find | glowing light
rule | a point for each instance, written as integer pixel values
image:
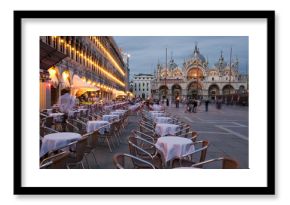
(110, 57)
(65, 75)
(52, 72)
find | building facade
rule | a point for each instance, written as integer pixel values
(80, 64)
(142, 85)
(196, 80)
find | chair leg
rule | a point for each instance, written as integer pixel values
(108, 144)
(85, 157)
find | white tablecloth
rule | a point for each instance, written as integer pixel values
(94, 125)
(110, 118)
(57, 117)
(134, 107)
(71, 112)
(120, 114)
(172, 147)
(56, 141)
(163, 129)
(123, 111)
(153, 115)
(163, 120)
(157, 107)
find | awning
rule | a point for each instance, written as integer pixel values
(49, 56)
(79, 86)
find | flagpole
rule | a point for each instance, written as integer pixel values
(230, 66)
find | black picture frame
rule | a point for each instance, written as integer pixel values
(19, 189)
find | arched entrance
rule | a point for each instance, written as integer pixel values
(213, 91)
(176, 91)
(241, 89)
(228, 89)
(195, 73)
(163, 92)
(194, 90)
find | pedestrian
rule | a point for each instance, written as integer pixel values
(167, 102)
(206, 105)
(194, 105)
(177, 102)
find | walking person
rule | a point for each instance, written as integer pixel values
(177, 102)
(194, 105)
(167, 102)
(206, 105)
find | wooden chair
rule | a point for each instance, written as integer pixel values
(57, 161)
(227, 163)
(125, 161)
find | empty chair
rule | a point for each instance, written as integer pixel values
(57, 161)
(92, 143)
(46, 130)
(125, 161)
(109, 135)
(145, 150)
(76, 155)
(48, 122)
(218, 163)
(197, 156)
(79, 124)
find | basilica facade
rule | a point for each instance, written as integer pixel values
(195, 79)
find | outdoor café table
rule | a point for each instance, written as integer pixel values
(58, 140)
(48, 111)
(71, 113)
(122, 111)
(157, 107)
(117, 113)
(156, 114)
(57, 117)
(163, 129)
(163, 120)
(110, 118)
(174, 147)
(94, 125)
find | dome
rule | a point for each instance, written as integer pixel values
(197, 55)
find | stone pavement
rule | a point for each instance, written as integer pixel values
(225, 129)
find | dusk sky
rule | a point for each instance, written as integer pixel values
(145, 51)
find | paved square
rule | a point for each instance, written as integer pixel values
(225, 129)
